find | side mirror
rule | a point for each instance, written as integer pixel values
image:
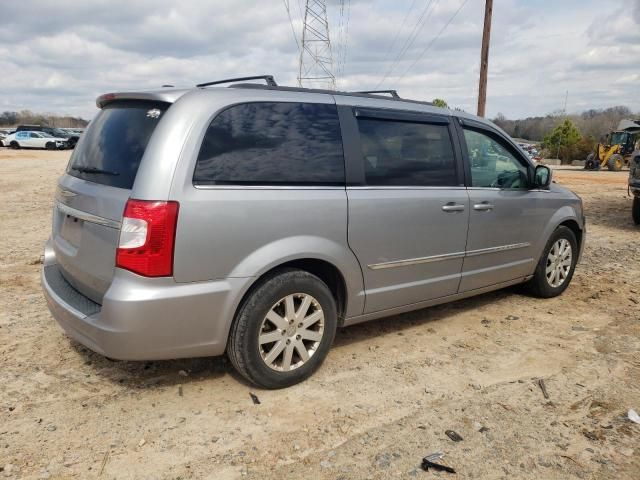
(542, 177)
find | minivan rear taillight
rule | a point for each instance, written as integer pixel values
(147, 237)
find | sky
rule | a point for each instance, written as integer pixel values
(58, 56)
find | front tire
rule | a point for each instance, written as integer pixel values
(50, 146)
(14, 145)
(283, 330)
(556, 266)
(615, 162)
(635, 210)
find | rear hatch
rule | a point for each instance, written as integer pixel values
(91, 196)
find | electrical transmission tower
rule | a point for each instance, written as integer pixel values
(316, 60)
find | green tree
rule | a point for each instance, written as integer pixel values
(438, 102)
(562, 139)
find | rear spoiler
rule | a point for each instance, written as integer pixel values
(165, 95)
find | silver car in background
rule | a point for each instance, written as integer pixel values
(256, 219)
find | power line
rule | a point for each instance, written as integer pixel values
(434, 39)
(395, 39)
(343, 37)
(343, 60)
(293, 30)
(422, 21)
(407, 43)
(340, 42)
(299, 3)
(417, 28)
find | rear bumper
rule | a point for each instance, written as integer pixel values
(142, 318)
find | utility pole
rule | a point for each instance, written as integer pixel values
(316, 59)
(484, 58)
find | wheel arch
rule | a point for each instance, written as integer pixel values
(565, 217)
(321, 256)
(573, 225)
(326, 271)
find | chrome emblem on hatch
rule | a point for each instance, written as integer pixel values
(153, 113)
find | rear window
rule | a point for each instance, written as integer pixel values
(268, 143)
(113, 144)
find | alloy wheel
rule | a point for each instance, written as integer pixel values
(559, 261)
(291, 332)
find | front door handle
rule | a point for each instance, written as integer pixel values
(453, 207)
(484, 206)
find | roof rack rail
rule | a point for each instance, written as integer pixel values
(267, 78)
(393, 98)
(393, 93)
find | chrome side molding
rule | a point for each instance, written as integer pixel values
(502, 248)
(446, 256)
(416, 261)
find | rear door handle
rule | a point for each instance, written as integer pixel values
(484, 206)
(453, 207)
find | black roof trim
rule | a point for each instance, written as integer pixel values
(401, 115)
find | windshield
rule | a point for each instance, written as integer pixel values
(113, 145)
(618, 138)
(45, 134)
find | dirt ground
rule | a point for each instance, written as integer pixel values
(383, 399)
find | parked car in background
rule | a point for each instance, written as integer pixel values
(29, 139)
(4, 133)
(255, 220)
(71, 138)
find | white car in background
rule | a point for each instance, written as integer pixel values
(29, 139)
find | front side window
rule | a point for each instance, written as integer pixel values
(270, 143)
(492, 165)
(397, 153)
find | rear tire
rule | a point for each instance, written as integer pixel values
(14, 145)
(635, 210)
(552, 277)
(615, 162)
(589, 164)
(271, 343)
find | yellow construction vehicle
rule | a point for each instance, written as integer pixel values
(615, 153)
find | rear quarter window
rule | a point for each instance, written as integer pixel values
(113, 144)
(270, 143)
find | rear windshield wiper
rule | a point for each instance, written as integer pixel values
(94, 170)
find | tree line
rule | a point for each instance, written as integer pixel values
(27, 117)
(570, 136)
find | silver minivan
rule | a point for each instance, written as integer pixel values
(256, 219)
